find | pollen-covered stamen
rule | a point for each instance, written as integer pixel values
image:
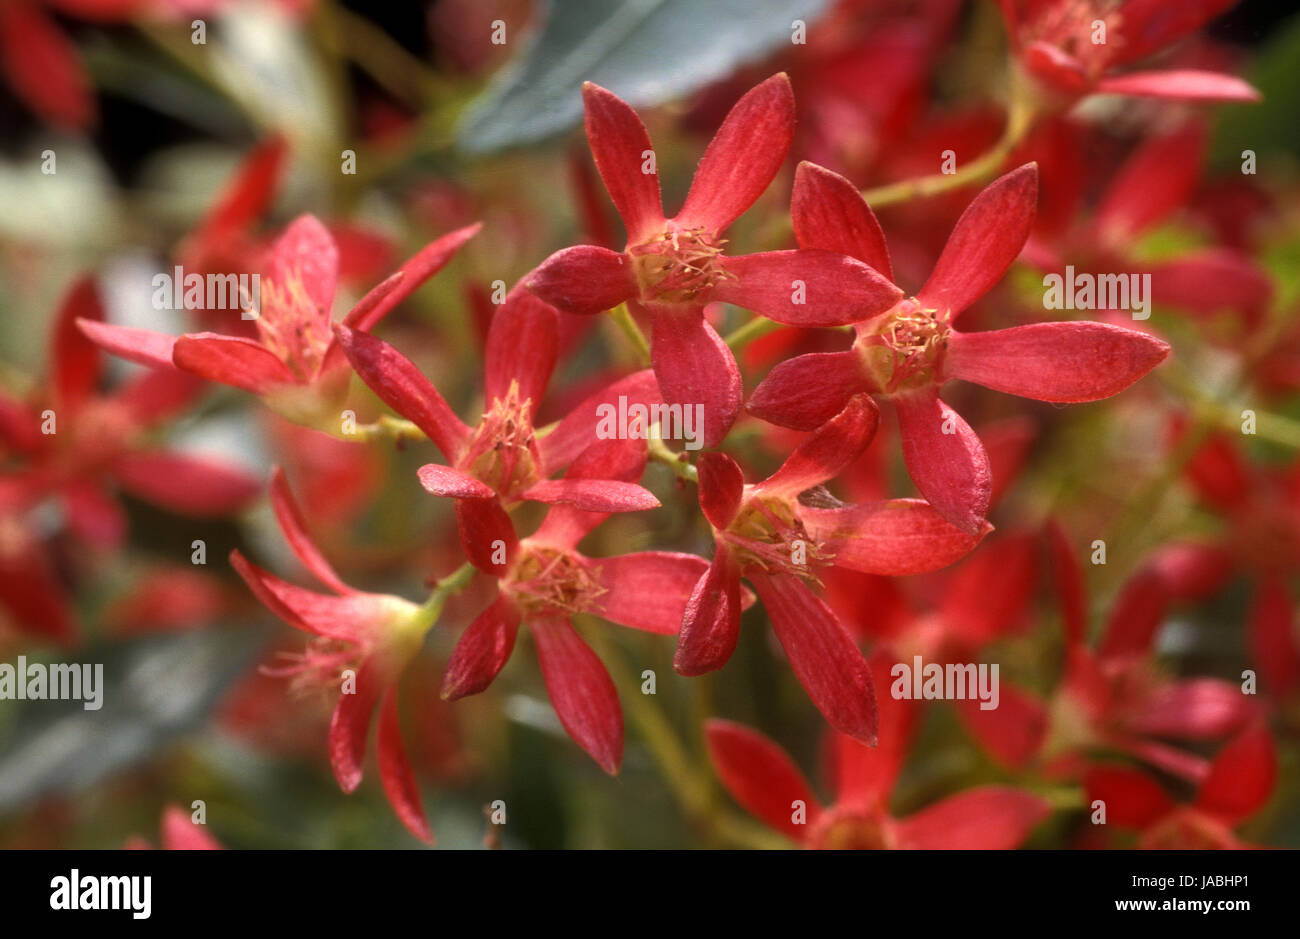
(319, 669)
(679, 266)
(551, 581)
(293, 327)
(906, 347)
(768, 533)
(851, 829)
(503, 451)
(1087, 30)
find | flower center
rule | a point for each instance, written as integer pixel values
(905, 348)
(768, 534)
(293, 327)
(503, 452)
(550, 581)
(678, 266)
(852, 829)
(1074, 29)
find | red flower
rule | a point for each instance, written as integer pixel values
(674, 267)
(766, 533)
(907, 354)
(544, 581)
(762, 778)
(1059, 44)
(503, 457)
(364, 642)
(295, 364)
(1238, 784)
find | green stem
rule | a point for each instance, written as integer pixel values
(743, 335)
(622, 317)
(446, 588)
(677, 462)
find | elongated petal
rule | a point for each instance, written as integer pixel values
(482, 651)
(1274, 645)
(829, 213)
(34, 599)
(1014, 731)
(1151, 25)
(157, 395)
(1055, 66)
(808, 390)
(581, 691)
(44, 68)
(399, 384)
(74, 359)
(142, 346)
(710, 624)
(593, 495)
(344, 618)
(761, 777)
(178, 832)
(806, 287)
(945, 459)
(986, 239)
(1135, 616)
(828, 451)
(306, 254)
(289, 517)
(186, 484)
(1242, 776)
(988, 594)
(452, 483)
(1211, 281)
(522, 345)
(93, 515)
(486, 534)
(583, 279)
(1183, 84)
(743, 158)
(232, 360)
(648, 589)
(1061, 362)
(986, 818)
(822, 654)
(895, 538)
(694, 366)
(244, 199)
(865, 776)
(578, 428)
(618, 460)
(1193, 709)
(350, 726)
(721, 486)
(1154, 182)
(619, 145)
(1132, 798)
(395, 770)
(430, 259)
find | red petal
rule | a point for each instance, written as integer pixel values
(179, 833)
(829, 213)
(245, 198)
(831, 289)
(760, 776)
(291, 523)
(583, 279)
(721, 485)
(988, 595)
(1242, 776)
(1055, 67)
(232, 360)
(399, 384)
(577, 430)
(420, 267)
(950, 469)
(395, 771)
(1192, 709)
(75, 361)
(592, 495)
(622, 460)
(1150, 25)
(1272, 634)
(1184, 84)
(1209, 281)
(522, 344)
(822, 654)
(1135, 616)
(445, 481)
(1133, 799)
(482, 651)
(986, 818)
(808, 390)
(1061, 362)
(896, 538)
(1013, 732)
(158, 395)
(37, 603)
(142, 346)
(865, 776)
(828, 451)
(619, 142)
(986, 239)
(711, 622)
(581, 691)
(694, 366)
(185, 484)
(648, 589)
(1154, 182)
(482, 524)
(44, 68)
(93, 515)
(344, 618)
(349, 726)
(743, 158)
(306, 253)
